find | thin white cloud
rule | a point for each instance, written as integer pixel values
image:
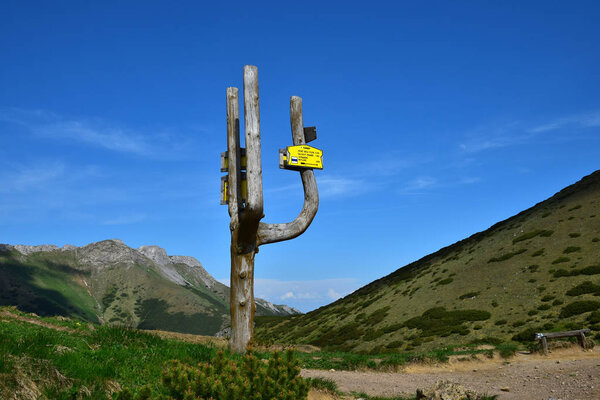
(333, 295)
(304, 295)
(94, 132)
(590, 120)
(515, 133)
(333, 186)
(329, 186)
(469, 180)
(420, 183)
(287, 295)
(493, 137)
(23, 178)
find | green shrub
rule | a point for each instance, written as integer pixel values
(507, 350)
(500, 322)
(547, 297)
(223, 379)
(526, 335)
(468, 295)
(538, 253)
(377, 316)
(487, 340)
(394, 345)
(596, 239)
(594, 317)
(574, 235)
(337, 337)
(533, 268)
(557, 302)
(532, 234)
(532, 312)
(583, 288)
(445, 281)
(360, 316)
(571, 249)
(323, 384)
(579, 307)
(372, 334)
(577, 207)
(109, 296)
(591, 270)
(392, 328)
(516, 324)
(561, 260)
(506, 256)
(494, 303)
(439, 321)
(544, 307)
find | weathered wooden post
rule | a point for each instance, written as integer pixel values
(242, 192)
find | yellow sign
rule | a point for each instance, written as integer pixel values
(303, 156)
(225, 160)
(225, 187)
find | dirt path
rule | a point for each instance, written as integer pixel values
(571, 374)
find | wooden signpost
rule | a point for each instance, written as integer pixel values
(242, 192)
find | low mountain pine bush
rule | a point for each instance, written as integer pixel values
(226, 379)
(583, 288)
(579, 307)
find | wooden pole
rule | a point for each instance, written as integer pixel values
(247, 232)
(544, 345)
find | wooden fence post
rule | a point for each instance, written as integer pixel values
(247, 232)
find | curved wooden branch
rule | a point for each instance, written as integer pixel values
(271, 233)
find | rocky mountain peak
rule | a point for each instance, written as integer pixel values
(195, 270)
(24, 249)
(109, 252)
(156, 254)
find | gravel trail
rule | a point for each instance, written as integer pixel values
(567, 375)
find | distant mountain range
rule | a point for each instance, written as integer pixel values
(109, 282)
(536, 271)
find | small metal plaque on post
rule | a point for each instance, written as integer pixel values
(310, 133)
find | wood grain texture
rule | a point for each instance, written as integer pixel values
(252, 213)
(233, 156)
(271, 233)
(577, 332)
(252, 127)
(242, 301)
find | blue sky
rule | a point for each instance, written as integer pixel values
(437, 119)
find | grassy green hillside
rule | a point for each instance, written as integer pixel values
(63, 358)
(45, 286)
(538, 270)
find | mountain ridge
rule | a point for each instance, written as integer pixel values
(110, 282)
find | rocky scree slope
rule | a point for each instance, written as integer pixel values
(536, 271)
(109, 282)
